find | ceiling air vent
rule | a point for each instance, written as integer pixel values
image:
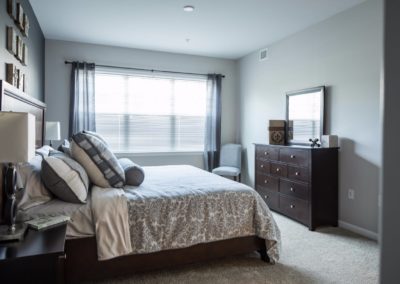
(263, 54)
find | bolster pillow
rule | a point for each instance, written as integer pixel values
(134, 174)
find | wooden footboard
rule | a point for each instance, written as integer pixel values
(81, 262)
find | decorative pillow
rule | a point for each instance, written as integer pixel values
(28, 177)
(43, 151)
(65, 178)
(97, 135)
(65, 147)
(134, 174)
(100, 163)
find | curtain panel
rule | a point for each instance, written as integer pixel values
(212, 144)
(82, 99)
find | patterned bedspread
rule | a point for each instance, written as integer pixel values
(177, 207)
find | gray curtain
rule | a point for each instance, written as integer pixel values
(212, 145)
(82, 107)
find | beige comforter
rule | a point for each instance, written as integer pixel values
(177, 207)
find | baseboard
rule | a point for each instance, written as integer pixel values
(358, 230)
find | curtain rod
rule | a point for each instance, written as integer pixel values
(144, 69)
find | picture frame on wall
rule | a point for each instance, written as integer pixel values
(11, 41)
(10, 70)
(25, 30)
(24, 59)
(19, 49)
(20, 16)
(11, 9)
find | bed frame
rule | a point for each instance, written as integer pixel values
(80, 261)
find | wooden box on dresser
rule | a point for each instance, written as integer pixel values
(299, 182)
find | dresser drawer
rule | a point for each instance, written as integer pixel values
(294, 208)
(294, 156)
(271, 198)
(266, 182)
(262, 166)
(278, 169)
(269, 153)
(297, 173)
(295, 189)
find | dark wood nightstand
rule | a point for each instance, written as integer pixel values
(37, 258)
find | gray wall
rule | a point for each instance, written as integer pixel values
(390, 230)
(58, 75)
(35, 43)
(341, 53)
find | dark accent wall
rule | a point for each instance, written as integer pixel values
(35, 42)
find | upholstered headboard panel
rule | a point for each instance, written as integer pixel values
(12, 99)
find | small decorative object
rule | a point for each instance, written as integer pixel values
(277, 132)
(52, 131)
(24, 52)
(25, 31)
(11, 9)
(17, 146)
(11, 41)
(20, 16)
(314, 142)
(329, 141)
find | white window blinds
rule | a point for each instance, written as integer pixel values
(150, 113)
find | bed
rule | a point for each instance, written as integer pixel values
(179, 215)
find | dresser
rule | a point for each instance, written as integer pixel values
(299, 182)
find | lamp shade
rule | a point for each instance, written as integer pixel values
(53, 130)
(18, 134)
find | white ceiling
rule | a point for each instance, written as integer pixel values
(218, 28)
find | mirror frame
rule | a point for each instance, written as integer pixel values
(322, 112)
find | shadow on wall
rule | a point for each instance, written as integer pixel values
(362, 176)
(245, 166)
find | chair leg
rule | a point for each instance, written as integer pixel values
(240, 178)
(234, 178)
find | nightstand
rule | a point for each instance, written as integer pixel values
(37, 258)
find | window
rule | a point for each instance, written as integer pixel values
(150, 113)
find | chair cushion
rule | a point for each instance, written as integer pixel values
(65, 178)
(99, 162)
(226, 171)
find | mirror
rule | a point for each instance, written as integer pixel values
(305, 115)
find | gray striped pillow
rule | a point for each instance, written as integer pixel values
(65, 178)
(100, 163)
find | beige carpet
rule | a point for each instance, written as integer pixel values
(328, 255)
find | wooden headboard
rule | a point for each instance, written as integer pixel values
(12, 99)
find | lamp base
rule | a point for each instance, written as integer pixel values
(6, 234)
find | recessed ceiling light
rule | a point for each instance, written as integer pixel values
(188, 8)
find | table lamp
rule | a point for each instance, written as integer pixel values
(17, 145)
(52, 131)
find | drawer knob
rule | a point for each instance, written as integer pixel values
(278, 169)
(291, 206)
(266, 181)
(266, 153)
(292, 156)
(262, 166)
(297, 173)
(266, 196)
(292, 189)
